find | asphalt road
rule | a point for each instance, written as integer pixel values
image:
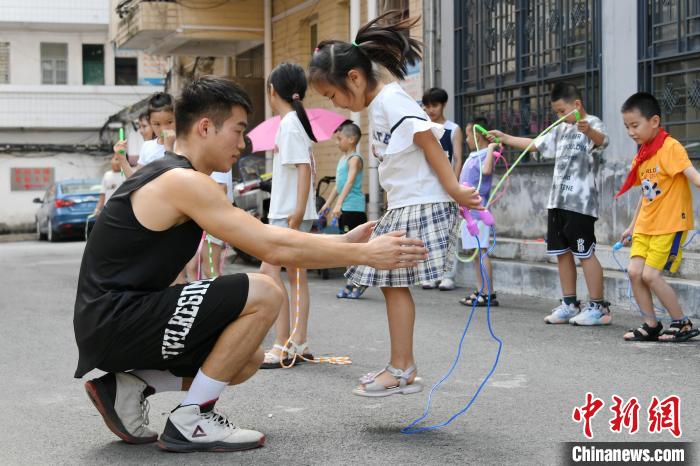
(309, 414)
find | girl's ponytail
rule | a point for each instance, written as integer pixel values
(384, 40)
(289, 82)
(298, 107)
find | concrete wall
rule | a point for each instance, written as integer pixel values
(25, 53)
(16, 207)
(522, 212)
(291, 42)
(446, 55)
(65, 106)
(55, 12)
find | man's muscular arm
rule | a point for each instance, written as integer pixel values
(180, 194)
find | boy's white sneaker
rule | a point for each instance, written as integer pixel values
(196, 428)
(593, 314)
(447, 284)
(563, 313)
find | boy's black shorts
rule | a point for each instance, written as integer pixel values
(177, 330)
(570, 231)
(350, 220)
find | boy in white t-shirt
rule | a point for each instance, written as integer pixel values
(434, 103)
(111, 180)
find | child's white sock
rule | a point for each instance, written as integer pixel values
(159, 381)
(203, 390)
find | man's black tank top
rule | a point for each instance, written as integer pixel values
(124, 262)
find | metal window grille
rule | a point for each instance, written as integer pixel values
(669, 64)
(508, 53)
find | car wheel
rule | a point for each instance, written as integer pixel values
(51, 236)
(39, 235)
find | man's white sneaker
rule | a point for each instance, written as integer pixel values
(563, 313)
(593, 314)
(195, 428)
(447, 284)
(121, 401)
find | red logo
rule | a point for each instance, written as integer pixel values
(661, 415)
(625, 416)
(198, 432)
(665, 415)
(587, 412)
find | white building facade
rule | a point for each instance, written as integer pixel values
(60, 80)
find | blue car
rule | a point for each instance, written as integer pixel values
(65, 209)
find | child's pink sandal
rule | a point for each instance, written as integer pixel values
(371, 388)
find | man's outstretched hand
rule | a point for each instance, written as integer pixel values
(395, 251)
(361, 233)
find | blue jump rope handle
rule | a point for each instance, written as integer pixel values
(617, 246)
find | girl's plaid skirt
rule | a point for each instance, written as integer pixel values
(436, 225)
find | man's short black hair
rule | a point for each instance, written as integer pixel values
(435, 95)
(646, 103)
(209, 96)
(566, 91)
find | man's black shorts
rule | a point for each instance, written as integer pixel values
(570, 231)
(178, 330)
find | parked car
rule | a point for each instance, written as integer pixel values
(65, 209)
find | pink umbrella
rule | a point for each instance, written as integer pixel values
(323, 123)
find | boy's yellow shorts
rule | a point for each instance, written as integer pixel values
(662, 252)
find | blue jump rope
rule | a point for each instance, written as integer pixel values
(411, 429)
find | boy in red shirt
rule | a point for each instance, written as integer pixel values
(662, 220)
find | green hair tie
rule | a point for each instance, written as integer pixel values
(355, 44)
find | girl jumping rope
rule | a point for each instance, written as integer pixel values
(292, 204)
(414, 171)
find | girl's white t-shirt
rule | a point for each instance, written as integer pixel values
(150, 152)
(292, 146)
(404, 172)
(225, 178)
